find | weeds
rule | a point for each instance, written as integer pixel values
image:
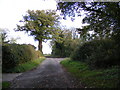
(98, 78)
(27, 66)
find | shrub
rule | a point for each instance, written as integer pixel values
(39, 54)
(15, 54)
(98, 53)
(65, 48)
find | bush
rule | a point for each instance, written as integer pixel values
(98, 53)
(39, 54)
(15, 54)
(65, 48)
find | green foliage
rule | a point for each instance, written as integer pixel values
(98, 53)
(38, 54)
(39, 24)
(103, 20)
(64, 44)
(100, 78)
(5, 84)
(3, 36)
(15, 54)
(27, 66)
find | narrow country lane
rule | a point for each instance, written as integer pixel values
(49, 74)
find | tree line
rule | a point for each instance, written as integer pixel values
(102, 20)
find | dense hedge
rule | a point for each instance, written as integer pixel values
(65, 48)
(98, 53)
(15, 54)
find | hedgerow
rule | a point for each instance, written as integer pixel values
(15, 54)
(98, 53)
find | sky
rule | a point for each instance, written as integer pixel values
(11, 12)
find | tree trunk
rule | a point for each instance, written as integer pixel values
(40, 45)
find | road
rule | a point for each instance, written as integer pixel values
(49, 74)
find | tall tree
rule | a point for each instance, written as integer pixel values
(102, 17)
(40, 24)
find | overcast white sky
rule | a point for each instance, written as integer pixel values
(11, 12)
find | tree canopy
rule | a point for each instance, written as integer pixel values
(40, 24)
(64, 43)
(102, 17)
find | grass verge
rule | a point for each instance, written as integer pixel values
(27, 66)
(5, 84)
(107, 78)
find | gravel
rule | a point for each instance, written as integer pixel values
(49, 74)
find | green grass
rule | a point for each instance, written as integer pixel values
(27, 66)
(99, 78)
(5, 84)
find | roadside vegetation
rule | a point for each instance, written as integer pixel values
(95, 63)
(28, 65)
(93, 78)
(18, 57)
(22, 68)
(5, 84)
(95, 58)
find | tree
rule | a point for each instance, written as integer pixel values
(64, 43)
(13, 40)
(103, 20)
(5, 39)
(40, 24)
(3, 36)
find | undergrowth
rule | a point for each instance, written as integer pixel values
(27, 66)
(5, 84)
(93, 78)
